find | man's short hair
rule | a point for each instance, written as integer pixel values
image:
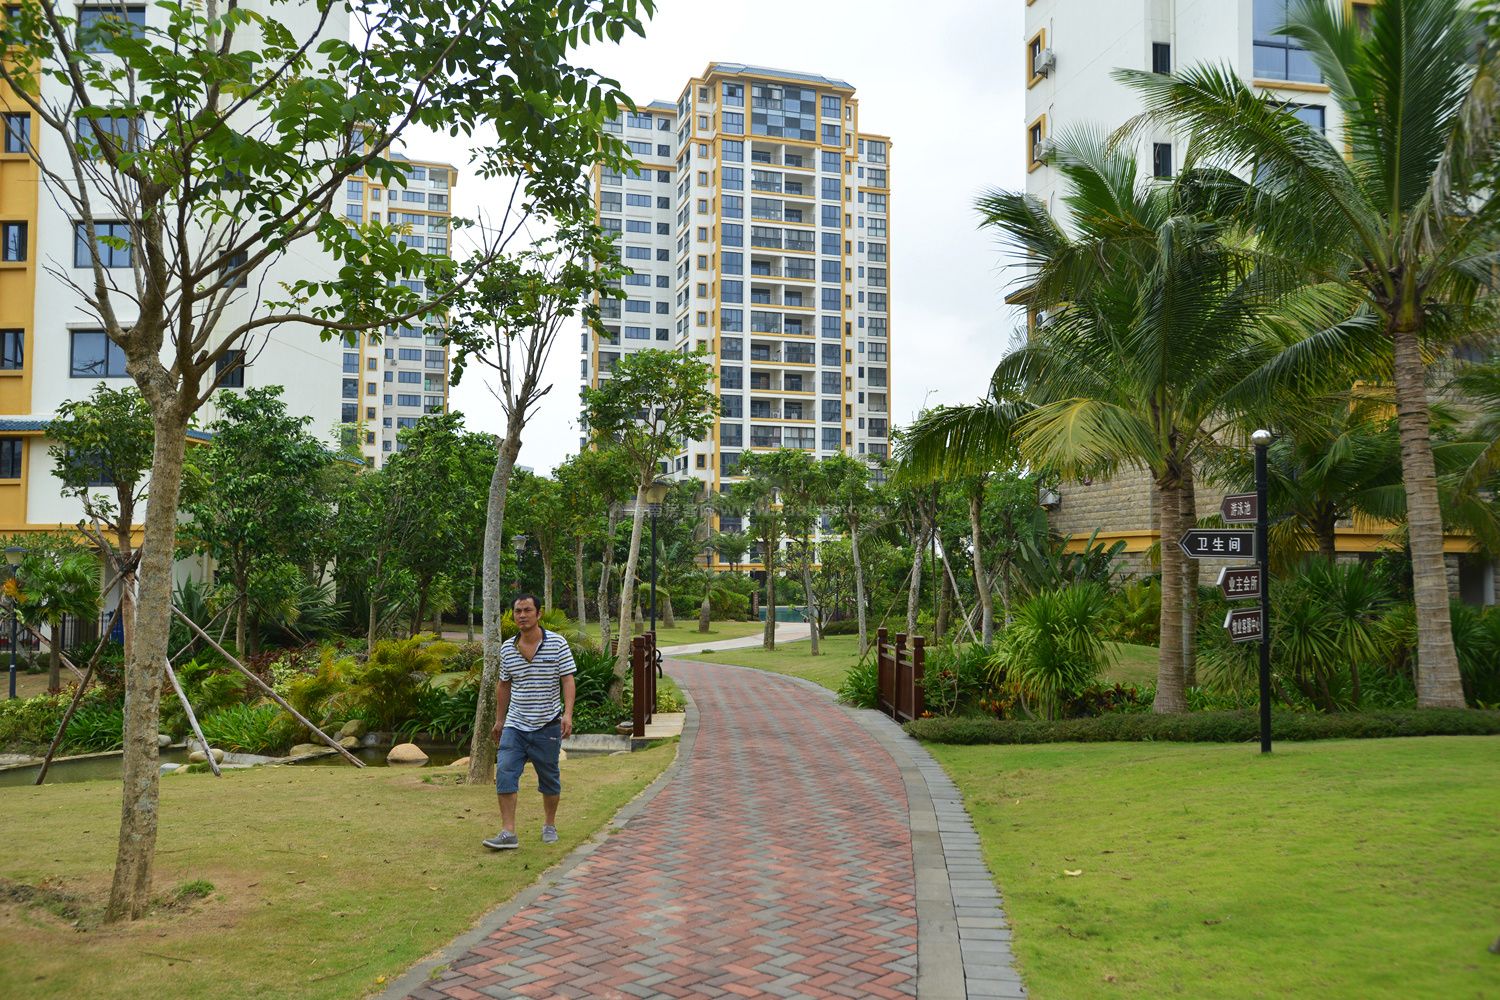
(526, 597)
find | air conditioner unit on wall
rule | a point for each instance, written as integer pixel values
(1045, 62)
(1043, 151)
(1048, 498)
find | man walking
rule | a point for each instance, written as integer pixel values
(533, 715)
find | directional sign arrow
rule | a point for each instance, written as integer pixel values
(1245, 625)
(1239, 508)
(1218, 543)
(1240, 584)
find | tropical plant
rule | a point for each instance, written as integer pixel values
(258, 729)
(1400, 213)
(1054, 647)
(1135, 613)
(389, 684)
(861, 685)
(957, 677)
(594, 677)
(96, 726)
(57, 579)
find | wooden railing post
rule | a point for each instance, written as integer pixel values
(883, 681)
(897, 675)
(918, 665)
(650, 676)
(638, 687)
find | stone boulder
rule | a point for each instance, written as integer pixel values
(349, 742)
(163, 741)
(406, 753)
(461, 762)
(562, 755)
(303, 749)
(199, 757)
(168, 768)
(355, 728)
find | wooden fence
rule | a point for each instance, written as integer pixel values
(900, 676)
(643, 663)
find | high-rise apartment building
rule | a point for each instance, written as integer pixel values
(389, 383)
(1072, 48)
(757, 229)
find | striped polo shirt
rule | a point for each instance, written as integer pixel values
(535, 686)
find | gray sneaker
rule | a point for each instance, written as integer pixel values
(503, 841)
(549, 834)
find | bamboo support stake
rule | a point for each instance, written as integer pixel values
(192, 719)
(33, 631)
(270, 693)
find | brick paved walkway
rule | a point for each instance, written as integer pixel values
(777, 862)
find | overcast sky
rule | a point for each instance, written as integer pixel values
(942, 79)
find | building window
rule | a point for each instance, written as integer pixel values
(12, 241)
(1034, 47)
(1311, 115)
(230, 370)
(12, 451)
(17, 132)
(832, 106)
(1161, 58)
(97, 25)
(734, 95)
(94, 355)
(1161, 159)
(1036, 134)
(1278, 56)
(124, 132)
(12, 347)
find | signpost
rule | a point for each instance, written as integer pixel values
(1218, 543)
(1243, 583)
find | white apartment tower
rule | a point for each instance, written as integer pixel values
(757, 228)
(1072, 48)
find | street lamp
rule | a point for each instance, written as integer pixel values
(656, 494)
(519, 543)
(13, 556)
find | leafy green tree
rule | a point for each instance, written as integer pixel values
(255, 501)
(852, 500)
(539, 512)
(761, 497)
(1401, 212)
(650, 406)
(57, 578)
(247, 122)
(104, 443)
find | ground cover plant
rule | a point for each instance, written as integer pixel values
(1334, 869)
(326, 882)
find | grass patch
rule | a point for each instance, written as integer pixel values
(686, 633)
(838, 654)
(1132, 664)
(322, 882)
(1334, 869)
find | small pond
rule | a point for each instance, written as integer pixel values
(437, 756)
(93, 769)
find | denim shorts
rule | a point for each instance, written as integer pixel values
(517, 746)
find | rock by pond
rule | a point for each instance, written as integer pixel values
(406, 753)
(199, 757)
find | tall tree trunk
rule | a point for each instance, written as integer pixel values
(981, 579)
(241, 607)
(579, 584)
(546, 579)
(422, 591)
(482, 744)
(54, 657)
(945, 598)
(130, 892)
(627, 588)
(612, 521)
(768, 637)
(914, 589)
(859, 588)
(809, 598)
(705, 613)
(1439, 684)
(1169, 690)
(373, 621)
(124, 552)
(1188, 517)
(1324, 531)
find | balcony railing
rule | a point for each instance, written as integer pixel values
(796, 357)
(797, 242)
(772, 240)
(792, 271)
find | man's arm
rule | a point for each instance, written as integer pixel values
(502, 706)
(569, 691)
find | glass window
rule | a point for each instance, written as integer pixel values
(1279, 56)
(732, 234)
(12, 451)
(732, 263)
(114, 244)
(12, 347)
(830, 134)
(734, 95)
(733, 122)
(732, 320)
(831, 161)
(734, 206)
(12, 241)
(94, 355)
(733, 291)
(229, 370)
(97, 25)
(832, 106)
(17, 132)
(1311, 115)
(732, 151)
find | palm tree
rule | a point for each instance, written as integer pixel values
(1154, 312)
(1401, 210)
(57, 580)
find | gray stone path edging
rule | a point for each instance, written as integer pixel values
(963, 939)
(419, 974)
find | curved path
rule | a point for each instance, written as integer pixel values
(774, 858)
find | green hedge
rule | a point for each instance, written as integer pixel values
(1211, 727)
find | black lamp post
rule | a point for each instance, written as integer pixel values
(13, 557)
(519, 543)
(656, 494)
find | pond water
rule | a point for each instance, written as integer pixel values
(438, 756)
(94, 769)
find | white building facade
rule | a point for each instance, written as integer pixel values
(758, 230)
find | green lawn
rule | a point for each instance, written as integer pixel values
(1133, 664)
(838, 654)
(326, 881)
(1362, 868)
(687, 632)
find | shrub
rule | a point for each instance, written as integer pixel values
(260, 729)
(312, 694)
(1212, 727)
(1135, 613)
(389, 684)
(861, 686)
(956, 677)
(29, 723)
(442, 714)
(97, 726)
(845, 626)
(1053, 647)
(601, 717)
(669, 697)
(595, 676)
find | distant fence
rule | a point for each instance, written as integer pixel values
(643, 668)
(899, 673)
